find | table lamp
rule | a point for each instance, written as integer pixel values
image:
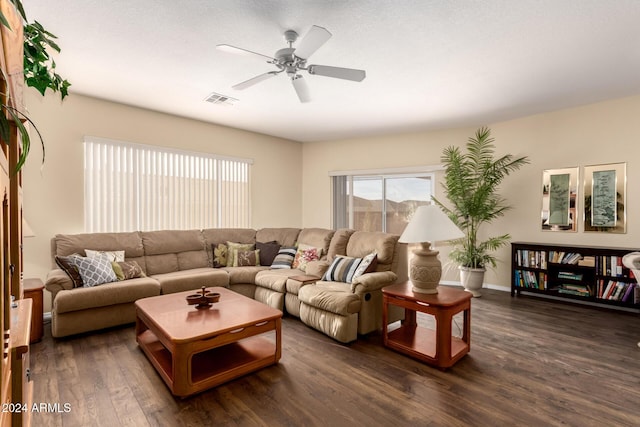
(429, 224)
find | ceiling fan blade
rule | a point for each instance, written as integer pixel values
(338, 72)
(316, 37)
(257, 79)
(240, 51)
(300, 85)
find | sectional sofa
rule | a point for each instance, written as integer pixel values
(179, 260)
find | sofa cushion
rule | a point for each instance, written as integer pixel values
(220, 252)
(304, 255)
(173, 250)
(268, 251)
(233, 248)
(285, 258)
(127, 270)
(68, 266)
(342, 269)
(338, 245)
(284, 236)
(316, 237)
(117, 256)
(334, 297)
(130, 242)
(362, 243)
(275, 280)
(246, 258)
(95, 270)
(105, 295)
(185, 280)
(243, 275)
(215, 236)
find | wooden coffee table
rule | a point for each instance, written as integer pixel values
(196, 349)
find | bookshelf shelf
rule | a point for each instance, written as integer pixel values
(579, 273)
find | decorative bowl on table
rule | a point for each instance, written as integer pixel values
(203, 299)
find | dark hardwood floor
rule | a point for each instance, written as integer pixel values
(533, 362)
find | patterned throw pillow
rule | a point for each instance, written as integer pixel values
(303, 256)
(246, 258)
(219, 251)
(232, 247)
(125, 270)
(368, 265)
(268, 251)
(117, 256)
(68, 266)
(342, 269)
(95, 271)
(285, 257)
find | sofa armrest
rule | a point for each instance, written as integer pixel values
(57, 280)
(373, 281)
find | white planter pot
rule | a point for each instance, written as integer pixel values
(471, 279)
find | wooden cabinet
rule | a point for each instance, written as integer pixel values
(579, 273)
(15, 356)
(21, 385)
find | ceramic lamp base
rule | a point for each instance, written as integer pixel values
(425, 270)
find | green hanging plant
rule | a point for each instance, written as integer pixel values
(39, 73)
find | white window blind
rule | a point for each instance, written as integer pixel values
(130, 187)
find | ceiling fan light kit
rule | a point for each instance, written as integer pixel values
(292, 61)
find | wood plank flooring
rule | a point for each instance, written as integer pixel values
(532, 363)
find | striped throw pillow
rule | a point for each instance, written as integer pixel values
(285, 257)
(342, 269)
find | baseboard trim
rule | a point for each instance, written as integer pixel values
(484, 285)
(46, 317)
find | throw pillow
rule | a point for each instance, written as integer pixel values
(95, 271)
(268, 251)
(68, 266)
(301, 248)
(303, 256)
(246, 258)
(285, 257)
(342, 269)
(117, 256)
(368, 265)
(220, 252)
(127, 270)
(232, 247)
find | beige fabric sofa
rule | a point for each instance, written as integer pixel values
(179, 260)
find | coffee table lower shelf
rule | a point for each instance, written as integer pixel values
(212, 367)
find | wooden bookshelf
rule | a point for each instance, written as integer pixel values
(575, 273)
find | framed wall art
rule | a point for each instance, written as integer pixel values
(559, 197)
(605, 198)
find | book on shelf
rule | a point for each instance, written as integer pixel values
(561, 257)
(569, 275)
(587, 261)
(574, 289)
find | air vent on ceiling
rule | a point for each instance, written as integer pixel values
(220, 99)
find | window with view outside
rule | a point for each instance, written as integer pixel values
(379, 202)
(135, 187)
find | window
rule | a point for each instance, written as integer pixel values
(379, 201)
(131, 187)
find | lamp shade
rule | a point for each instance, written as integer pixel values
(430, 224)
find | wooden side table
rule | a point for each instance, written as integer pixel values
(32, 288)
(435, 347)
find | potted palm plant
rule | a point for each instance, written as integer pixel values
(471, 182)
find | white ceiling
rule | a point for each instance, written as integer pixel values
(430, 64)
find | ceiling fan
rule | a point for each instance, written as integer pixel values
(292, 60)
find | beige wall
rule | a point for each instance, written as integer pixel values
(53, 193)
(607, 132)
